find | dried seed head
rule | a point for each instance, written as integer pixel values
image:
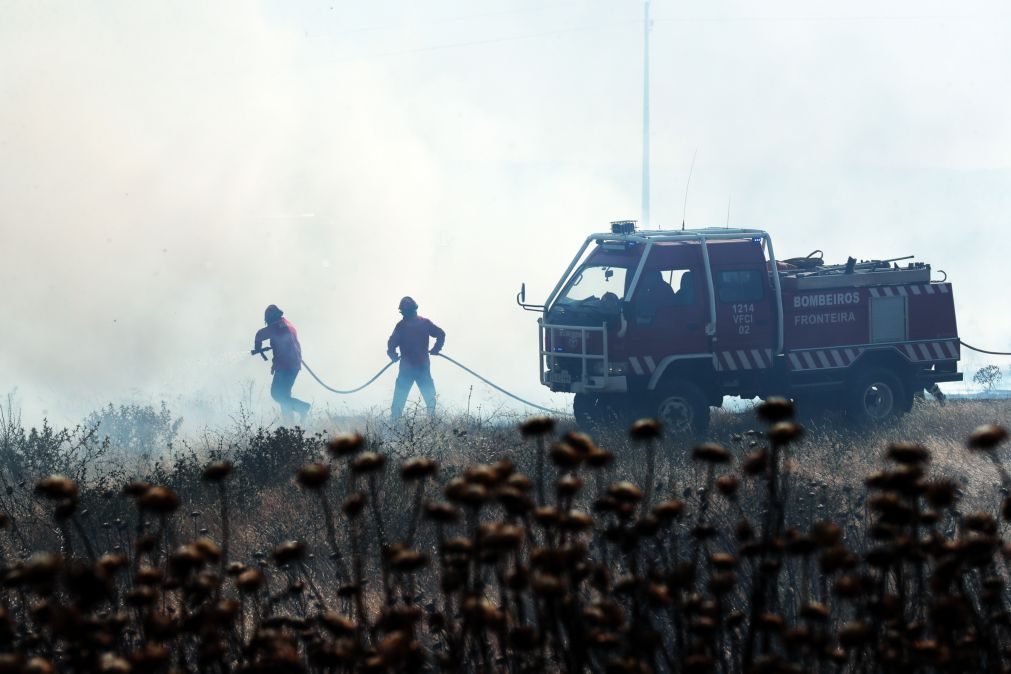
(577, 520)
(208, 548)
(514, 501)
(785, 432)
(599, 458)
(337, 624)
(368, 462)
(727, 485)
(645, 429)
(482, 474)
(909, 453)
(723, 561)
(471, 495)
(217, 471)
(941, 493)
(235, 568)
(113, 664)
(345, 444)
(537, 426)
(853, 634)
(441, 512)
(756, 462)
(408, 561)
(711, 453)
(161, 500)
(313, 475)
(815, 611)
(520, 482)
(826, 534)
(418, 468)
(287, 552)
(981, 522)
(668, 511)
(564, 456)
(135, 489)
(568, 485)
(504, 469)
(625, 492)
(775, 410)
(581, 442)
(110, 563)
(353, 505)
(38, 665)
(547, 585)
(57, 487)
(250, 580)
(986, 438)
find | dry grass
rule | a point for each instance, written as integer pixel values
(775, 548)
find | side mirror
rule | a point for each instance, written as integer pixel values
(521, 299)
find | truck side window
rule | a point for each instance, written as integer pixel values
(739, 285)
(659, 289)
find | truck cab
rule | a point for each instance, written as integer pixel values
(665, 323)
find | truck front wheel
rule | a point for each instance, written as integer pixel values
(682, 408)
(876, 396)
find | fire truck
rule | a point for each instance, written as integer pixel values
(665, 323)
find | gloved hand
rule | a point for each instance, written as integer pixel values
(394, 357)
(435, 352)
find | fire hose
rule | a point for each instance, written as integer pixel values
(262, 354)
(992, 353)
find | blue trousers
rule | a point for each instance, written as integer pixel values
(408, 377)
(280, 391)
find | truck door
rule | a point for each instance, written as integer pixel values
(745, 328)
(667, 313)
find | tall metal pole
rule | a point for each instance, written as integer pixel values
(645, 116)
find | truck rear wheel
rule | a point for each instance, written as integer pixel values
(682, 408)
(876, 396)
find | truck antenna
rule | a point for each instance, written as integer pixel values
(684, 209)
(645, 115)
(728, 211)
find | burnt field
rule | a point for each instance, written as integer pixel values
(511, 545)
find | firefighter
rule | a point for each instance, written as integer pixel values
(411, 337)
(286, 363)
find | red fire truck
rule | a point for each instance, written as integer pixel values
(666, 323)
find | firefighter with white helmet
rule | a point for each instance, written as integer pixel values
(411, 337)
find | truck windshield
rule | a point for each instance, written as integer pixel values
(594, 282)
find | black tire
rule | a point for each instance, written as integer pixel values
(682, 407)
(875, 397)
(594, 412)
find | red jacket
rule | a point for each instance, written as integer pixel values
(284, 345)
(411, 337)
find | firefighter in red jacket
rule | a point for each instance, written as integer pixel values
(286, 363)
(411, 336)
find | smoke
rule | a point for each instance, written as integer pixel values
(168, 171)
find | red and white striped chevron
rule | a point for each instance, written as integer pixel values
(906, 290)
(743, 359)
(918, 352)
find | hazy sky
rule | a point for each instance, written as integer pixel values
(168, 169)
